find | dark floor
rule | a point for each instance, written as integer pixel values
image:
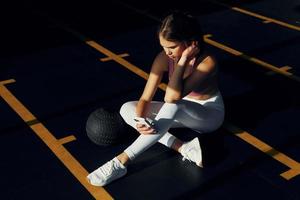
(60, 80)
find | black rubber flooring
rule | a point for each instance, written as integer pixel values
(60, 80)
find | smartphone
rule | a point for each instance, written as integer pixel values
(143, 121)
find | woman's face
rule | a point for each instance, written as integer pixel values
(173, 49)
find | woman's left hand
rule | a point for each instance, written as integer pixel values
(190, 52)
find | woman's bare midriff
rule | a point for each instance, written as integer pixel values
(210, 93)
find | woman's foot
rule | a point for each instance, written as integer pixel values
(107, 173)
(192, 151)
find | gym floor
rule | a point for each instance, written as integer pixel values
(60, 61)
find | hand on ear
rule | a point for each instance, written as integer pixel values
(191, 50)
(191, 43)
(195, 43)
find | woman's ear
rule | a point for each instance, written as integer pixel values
(188, 43)
(195, 43)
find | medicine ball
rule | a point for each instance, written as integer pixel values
(105, 128)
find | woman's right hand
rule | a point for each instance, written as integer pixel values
(145, 130)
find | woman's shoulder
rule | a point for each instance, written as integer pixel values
(207, 62)
(161, 61)
(162, 56)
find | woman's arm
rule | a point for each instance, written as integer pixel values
(202, 71)
(159, 66)
(176, 86)
(179, 86)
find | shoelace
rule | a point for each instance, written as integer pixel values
(107, 169)
(186, 157)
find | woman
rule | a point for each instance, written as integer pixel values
(192, 98)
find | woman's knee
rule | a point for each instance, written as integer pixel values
(128, 109)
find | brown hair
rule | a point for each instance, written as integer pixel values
(181, 27)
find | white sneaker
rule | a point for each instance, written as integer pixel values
(191, 151)
(107, 173)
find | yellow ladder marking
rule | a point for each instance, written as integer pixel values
(264, 18)
(268, 19)
(55, 145)
(280, 157)
(7, 81)
(238, 132)
(108, 58)
(251, 59)
(284, 68)
(291, 173)
(67, 139)
(267, 22)
(121, 61)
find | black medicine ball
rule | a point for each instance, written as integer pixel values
(105, 128)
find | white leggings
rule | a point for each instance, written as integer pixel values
(199, 115)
